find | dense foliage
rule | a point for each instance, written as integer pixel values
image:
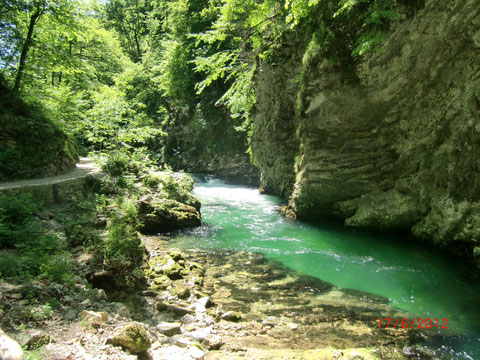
(26, 250)
(145, 84)
(123, 74)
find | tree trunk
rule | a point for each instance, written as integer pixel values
(26, 47)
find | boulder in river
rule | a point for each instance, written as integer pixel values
(163, 215)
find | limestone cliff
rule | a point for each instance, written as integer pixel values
(393, 144)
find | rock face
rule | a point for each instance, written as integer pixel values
(274, 143)
(393, 146)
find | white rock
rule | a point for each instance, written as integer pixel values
(169, 329)
(101, 294)
(293, 326)
(9, 348)
(195, 353)
(353, 355)
(86, 303)
(91, 316)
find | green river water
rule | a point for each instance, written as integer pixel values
(413, 277)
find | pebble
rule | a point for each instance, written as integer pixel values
(200, 334)
(353, 355)
(169, 329)
(86, 303)
(293, 326)
(270, 321)
(183, 341)
(213, 342)
(24, 302)
(231, 316)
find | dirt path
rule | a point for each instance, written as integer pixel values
(83, 168)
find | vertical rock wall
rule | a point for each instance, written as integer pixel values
(274, 143)
(393, 146)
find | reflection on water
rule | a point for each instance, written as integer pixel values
(414, 278)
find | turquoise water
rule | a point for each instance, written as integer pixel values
(415, 278)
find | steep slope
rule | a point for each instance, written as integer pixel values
(30, 144)
(393, 146)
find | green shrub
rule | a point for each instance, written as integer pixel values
(57, 267)
(122, 242)
(10, 266)
(116, 164)
(31, 253)
(17, 225)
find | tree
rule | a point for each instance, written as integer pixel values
(128, 18)
(36, 12)
(20, 22)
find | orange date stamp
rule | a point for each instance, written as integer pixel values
(415, 323)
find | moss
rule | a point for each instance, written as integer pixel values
(168, 267)
(194, 265)
(133, 337)
(176, 254)
(182, 291)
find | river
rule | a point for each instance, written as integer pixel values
(415, 278)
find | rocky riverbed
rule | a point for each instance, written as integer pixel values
(207, 305)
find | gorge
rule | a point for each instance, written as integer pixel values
(390, 145)
(335, 146)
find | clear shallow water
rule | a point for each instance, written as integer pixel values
(415, 278)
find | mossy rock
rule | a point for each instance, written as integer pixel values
(194, 265)
(158, 215)
(168, 267)
(161, 283)
(174, 186)
(132, 337)
(176, 254)
(182, 291)
(232, 316)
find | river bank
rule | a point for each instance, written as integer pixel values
(213, 305)
(190, 303)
